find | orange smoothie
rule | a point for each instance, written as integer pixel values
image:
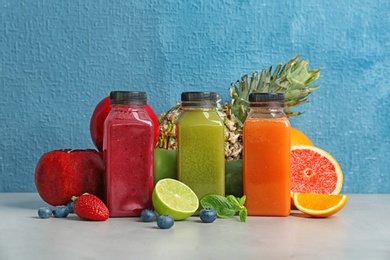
(266, 166)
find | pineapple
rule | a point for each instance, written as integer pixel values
(292, 79)
(167, 120)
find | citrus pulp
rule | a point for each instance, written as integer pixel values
(174, 198)
(319, 205)
(314, 170)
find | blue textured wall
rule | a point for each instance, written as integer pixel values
(60, 58)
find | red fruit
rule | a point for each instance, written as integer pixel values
(61, 174)
(90, 207)
(99, 115)
(96, 125)
(156, 123)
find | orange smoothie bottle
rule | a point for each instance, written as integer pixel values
(266, 156)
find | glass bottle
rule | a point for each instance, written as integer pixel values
(201, 158)
(128, 152)
(266, 156)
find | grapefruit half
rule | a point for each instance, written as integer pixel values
(313, 170)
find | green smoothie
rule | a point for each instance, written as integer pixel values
(201, 159)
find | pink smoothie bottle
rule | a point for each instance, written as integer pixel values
(128, 148)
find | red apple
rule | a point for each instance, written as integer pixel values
(61, 174)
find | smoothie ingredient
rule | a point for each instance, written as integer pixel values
(61, 211)
(293, 79)
(226, 207)
(167, 138)
(165, 222)
(99, 116)
(90, 207)
(165, 164)
(70, 206)
(208, 215)
(148, 215)
(96, 126)
(314, 170)
(61, 174)
(299, 138)
(45, 212)
(233, 178)
(174, 198)
(319, 205)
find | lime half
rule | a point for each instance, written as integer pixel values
(174, 198)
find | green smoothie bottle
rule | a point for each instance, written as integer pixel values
(201, 158)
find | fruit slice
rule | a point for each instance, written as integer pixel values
(299, 138)
(314, 170)
(319, 205)
(174, 198)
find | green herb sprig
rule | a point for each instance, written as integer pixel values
(226, 207)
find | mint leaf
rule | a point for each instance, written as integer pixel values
(225, 213)
(242, 200)
(243, 213)
(234, 201)
(221, 204)
(226, 207)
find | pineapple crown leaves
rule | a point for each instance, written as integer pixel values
(292, 79)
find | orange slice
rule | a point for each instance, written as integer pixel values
(314, 170)
(319, 205)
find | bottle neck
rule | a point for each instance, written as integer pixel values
(127, 106)
(198, 105)
(266, 112)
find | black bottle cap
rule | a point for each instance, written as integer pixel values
(266, 99)
(199, 96)
(128, 97)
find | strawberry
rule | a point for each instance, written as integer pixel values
(90, 207)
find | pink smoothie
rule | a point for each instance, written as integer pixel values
(129, 163)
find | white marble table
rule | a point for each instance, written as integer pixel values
(360, 231)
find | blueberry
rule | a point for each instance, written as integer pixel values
(148, 215)
(44, 212)
(70, 206)
(61, 212)
(208, 215)
(165, 222)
